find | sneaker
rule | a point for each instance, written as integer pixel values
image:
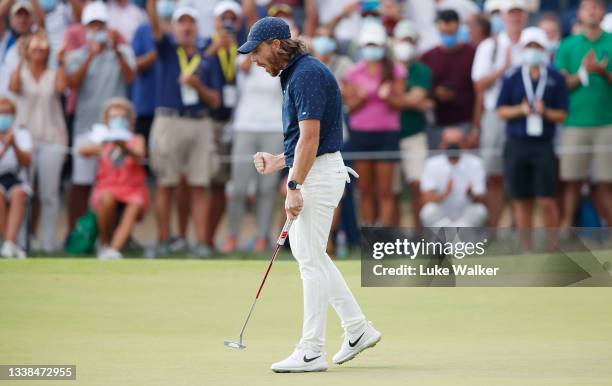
(177, 244)
(201, 251)
(107, 253)
(301, 361)
(11, 250)
(353, 344)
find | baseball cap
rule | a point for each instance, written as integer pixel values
(509, 5)
(533, 35)
(21, 4)
(185, 10)
(95, 11)
(491, 6)
(227, 5)
(373, 33)
(447, 15)
(405, 29)
(265, 29)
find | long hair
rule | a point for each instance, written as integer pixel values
(289, 48)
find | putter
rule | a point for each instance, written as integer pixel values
(281, 241)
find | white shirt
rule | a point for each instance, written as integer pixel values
(126, 19)
(206, 20)
(489, 59)
(9, 162)
(7, 66)
(348, 27)
(260, 102)
(467, 173)
(423, 14)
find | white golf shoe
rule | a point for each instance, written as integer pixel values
(353, 344)
(301, 361)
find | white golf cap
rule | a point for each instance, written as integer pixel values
(95, 11)
(509, 5)
(185, 10)
(491, 6)
(373, 33)
(534, 35)
(21, 4)
(405, 29)
(227, 5)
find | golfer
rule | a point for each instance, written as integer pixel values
(312, 128)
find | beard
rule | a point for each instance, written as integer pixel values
(276, 65)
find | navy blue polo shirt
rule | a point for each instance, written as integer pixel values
(168, 89)
(310, 91)
(513, 93)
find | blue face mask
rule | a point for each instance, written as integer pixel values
(165, 8)
(48, 5)
(120, 123)
(497, 24)
(450, 40)
(373, 53)
(6, 122)
(324, 45)
(463, 34)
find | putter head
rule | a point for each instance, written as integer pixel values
(233, 344)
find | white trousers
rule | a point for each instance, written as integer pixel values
(322, 282)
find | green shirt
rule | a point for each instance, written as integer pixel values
(589, 106)
(412, 121)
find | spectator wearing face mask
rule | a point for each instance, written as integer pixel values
(15, 157)
(372, 89)
(182, 136)
(415, 102)
(493, 9)
(494, 57)
(21, 21)
(38, 89)
(453, 91)
(324, 48)
(453, 185)
(121, 183)
(100, 70)
(584, 59)
(533, 99)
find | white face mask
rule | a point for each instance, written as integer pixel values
(534, 57)
(404, 51)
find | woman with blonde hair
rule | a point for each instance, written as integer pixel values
(121, 182)
(38, 89)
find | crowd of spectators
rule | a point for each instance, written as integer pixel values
(460, 105)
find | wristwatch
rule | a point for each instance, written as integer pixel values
(294, 185)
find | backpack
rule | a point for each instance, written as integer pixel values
(82, 239)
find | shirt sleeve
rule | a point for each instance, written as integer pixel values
(428, 177)
(128, 54)
(308, 91)
(23, 140)
(421, 78)
(143, 41)
(483, 61)
(478, 183)
(561, 94)
(561, 61)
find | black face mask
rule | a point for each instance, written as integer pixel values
(453, 150)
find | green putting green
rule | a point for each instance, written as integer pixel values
(163, 322)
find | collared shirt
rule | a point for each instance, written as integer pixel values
(310, 91)
(168, 88)
(513, 93)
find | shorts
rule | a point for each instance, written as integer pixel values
(83, 168)
(530, 168)
(579, 146)
(8, 181)
(414, 154)
(492, 139)
(372, 142)
(181, 145)
(224, 151)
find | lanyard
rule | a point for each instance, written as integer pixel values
(188, 67)
(541, 87)
(227, 60)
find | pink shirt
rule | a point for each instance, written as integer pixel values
(375, 114)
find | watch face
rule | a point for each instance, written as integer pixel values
(292, 185)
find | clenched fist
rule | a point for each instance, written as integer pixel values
(265, 163)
